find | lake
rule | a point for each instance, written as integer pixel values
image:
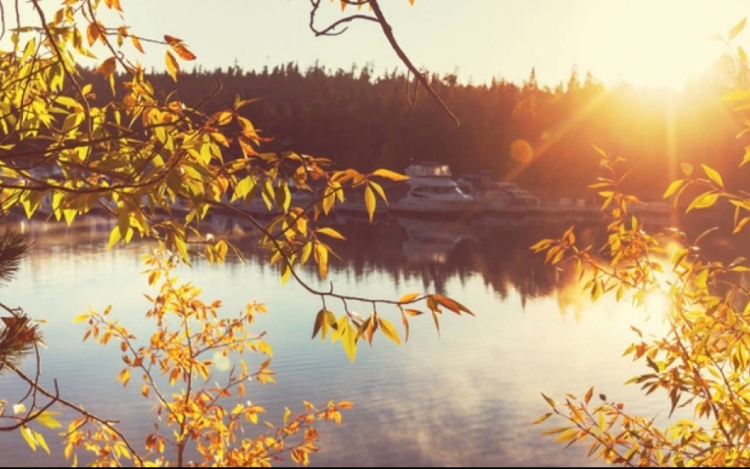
(466, 398)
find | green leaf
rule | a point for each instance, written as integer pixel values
(388, 330)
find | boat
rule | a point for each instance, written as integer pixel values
(506, 197)
(430, 190)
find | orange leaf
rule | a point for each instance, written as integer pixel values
(107, 67)
(171, 39)
(182, 51)
(92, 33)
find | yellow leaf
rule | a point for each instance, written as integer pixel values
(408, 298)
(124, 376)
(674, 186)
(388, 174)
(736, 29)
(330, 232)
(321, 257)
(28, 436)
(40, 439)
(349, 340)
(137, 44)
(172, 66)
(370, 202)
(80, 318)
(713, 175)
(47, 418)
(388, 330)
(567, 435)
(705, 200)
(542, 418)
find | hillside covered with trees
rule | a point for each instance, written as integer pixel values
(361, 120)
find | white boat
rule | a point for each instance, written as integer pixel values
(430, 190)
(507, 197)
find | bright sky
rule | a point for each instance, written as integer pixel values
(645, 42)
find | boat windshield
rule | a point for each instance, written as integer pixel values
(429, 170)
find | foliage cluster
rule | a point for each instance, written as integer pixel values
(701, 362)
(158, 165)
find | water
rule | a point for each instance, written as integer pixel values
(466, 398)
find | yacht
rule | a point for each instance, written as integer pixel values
(507, 197)
(430, 190)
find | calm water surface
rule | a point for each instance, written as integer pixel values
(466, 398)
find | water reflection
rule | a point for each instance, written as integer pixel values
(466, 398)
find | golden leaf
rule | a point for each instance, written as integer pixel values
(408, 298)
(137, 44)
(389, 331)
(388, 174)
(173, 67)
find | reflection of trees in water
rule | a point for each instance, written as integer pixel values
(439, 251)
(433, 252)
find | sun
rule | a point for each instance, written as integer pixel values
(654, 44)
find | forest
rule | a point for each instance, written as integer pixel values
(364, 121)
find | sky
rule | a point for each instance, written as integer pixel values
(647, 43)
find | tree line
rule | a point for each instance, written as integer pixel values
(365, 121)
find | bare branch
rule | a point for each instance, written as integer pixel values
(330, 29)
